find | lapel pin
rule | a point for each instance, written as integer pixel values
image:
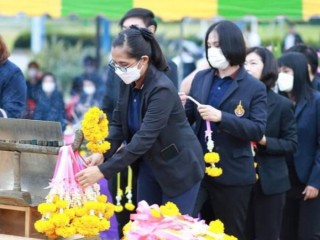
(239, 110)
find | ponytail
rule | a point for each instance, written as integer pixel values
(140, 42)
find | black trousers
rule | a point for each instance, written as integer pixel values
(228, 203)
(264, 215)
(301, 219)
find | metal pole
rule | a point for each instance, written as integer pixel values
(180, 67)
(98, 40)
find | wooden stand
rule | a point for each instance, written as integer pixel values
(27, 216)
(19, 221)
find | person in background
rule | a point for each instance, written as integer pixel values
(280, 138)
(301, 215)
(158, 136)
(90, 69)
(89, 97)
(313, 62)
(33, 79)
(33, 85)
(13, 90)
(291, 38)
(234, 105)
(50, 104)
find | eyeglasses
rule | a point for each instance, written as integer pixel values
(121, 68)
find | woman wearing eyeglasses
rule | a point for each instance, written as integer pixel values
(149, 116)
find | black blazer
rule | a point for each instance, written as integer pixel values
(233, 134)
(307, 157)
(282, 139)
(163, 123)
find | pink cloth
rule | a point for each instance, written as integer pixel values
(148, 227)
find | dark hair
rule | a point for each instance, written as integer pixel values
(269, 73)
(46, 74)
(301, 82)
(145, 15)
(89, 61)
(140, 42)
(231, 42)
(4, 53)
(33, 64)
(309, 52)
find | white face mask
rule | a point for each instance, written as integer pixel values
(132, 74)
(89, 90)
(48, 87)
(32, 72)
(217, 59)
(285, 82)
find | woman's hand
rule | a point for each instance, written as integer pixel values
(94, 160)
(183, 97)
(263, 141)
(209, 113)
(89, 176)
(310, 192)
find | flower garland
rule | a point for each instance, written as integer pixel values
(95, 130)
(69, 209)
(211, 157)
(166, 222)
(60, 218)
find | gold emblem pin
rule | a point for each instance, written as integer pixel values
(239, 110)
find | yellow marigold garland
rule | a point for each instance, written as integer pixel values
(59, 219)
(95, 130)
(211, 157)
(255, 165)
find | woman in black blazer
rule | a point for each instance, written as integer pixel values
(149, 116)
(280, 138)
(235, 104)
(301, 215)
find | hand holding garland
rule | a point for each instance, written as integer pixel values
(209, 113)
(95, 130)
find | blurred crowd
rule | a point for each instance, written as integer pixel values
(46, 101)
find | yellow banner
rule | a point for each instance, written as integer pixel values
(310, 8)
(173, 10)
(30, 8)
